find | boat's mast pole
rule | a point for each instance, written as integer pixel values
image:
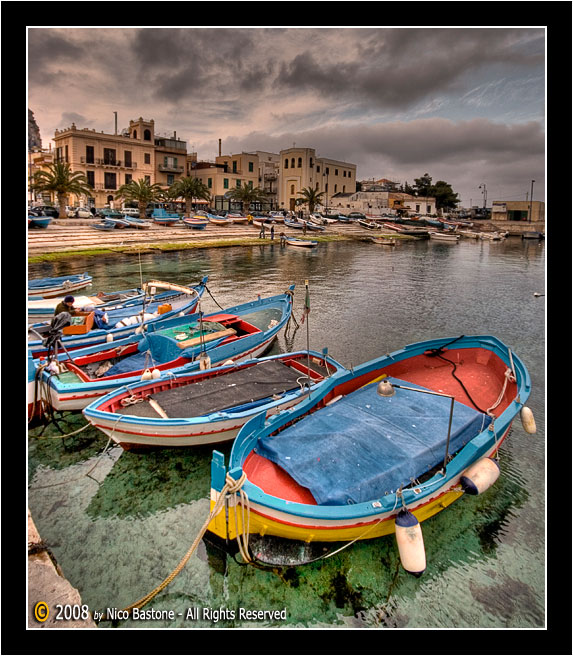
(307, 312)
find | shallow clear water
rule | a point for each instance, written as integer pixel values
(119, 523)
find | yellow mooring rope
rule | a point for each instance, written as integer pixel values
(231, 486)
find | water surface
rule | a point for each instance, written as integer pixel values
(120, 522)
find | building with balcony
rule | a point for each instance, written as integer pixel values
(300, 168)
(108, 160)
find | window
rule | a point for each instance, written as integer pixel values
(225, 183)
(127, 157)
(292, 163)
(238, 184)
(292, 189)
(110, 181)
(135, 134)
(89, 154)
(148, 179)
(210, 183)
(335, 171)
(327, 170)
(311, 163)
(147, 158)
(318, 168)
(90, 176)
(428, 209)
(67, 160)
(128, 178)
(343, 174)
(170, 179)
(109, 156)
(147, 135)
(417, 208)
(234, 166)
(251, 167)
(300, 162)
(335, 188)
(286, 163)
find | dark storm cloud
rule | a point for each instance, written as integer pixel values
(49, 48)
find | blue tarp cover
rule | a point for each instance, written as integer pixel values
(366, 445)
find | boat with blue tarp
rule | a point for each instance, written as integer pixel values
(376, 451)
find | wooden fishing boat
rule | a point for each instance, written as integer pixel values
(405, 230)
(106, 226)
(445, 236)
(37, 221)
(532, 234)
(58, 286)
(121, 322)
(384, 241)
(375, 451)
(72, 380)
(371, 225)
(220, 220)
(294, 223)
(277, 216)
(195, 222)
(42, 308)
(209, 406)
(301, 243)
(238, 218)
(162, 217)
(135, 222)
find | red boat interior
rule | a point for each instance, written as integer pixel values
(88, 366)
(481, 372)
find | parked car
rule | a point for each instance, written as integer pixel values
(130, 211)
(356, 215)
(46, 210)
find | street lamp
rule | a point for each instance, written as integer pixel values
(531, 201)
(484, 194)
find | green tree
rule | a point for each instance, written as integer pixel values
(61, 181)
(246, 194)
(446, 198)
(141, 192)
(310, 197)
(423, 185)
(189, 188)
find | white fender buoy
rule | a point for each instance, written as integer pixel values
(109, 338)
(229, 362)
(155, 373)
(528, 420)
(410, 543)
(146, 375)
(480, 476)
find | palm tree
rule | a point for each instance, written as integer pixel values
(60, 180)
(189, 188)
(310, 197)
(247, 195)
(141, 192)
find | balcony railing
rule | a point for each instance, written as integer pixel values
(112, 163)
(170, 168)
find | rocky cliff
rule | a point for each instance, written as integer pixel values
(34, 138)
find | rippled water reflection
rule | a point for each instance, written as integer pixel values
(119, 523)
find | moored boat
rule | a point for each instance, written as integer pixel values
(56, 286)
(42, 308)
(301, 243)
(182, 344)
(378, 449)
(209, 406)
(121, 322)
(445, 236)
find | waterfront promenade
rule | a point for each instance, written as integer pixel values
(76, 236)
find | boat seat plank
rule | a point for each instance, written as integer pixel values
(209, 337)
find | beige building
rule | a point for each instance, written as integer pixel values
(108, 160)
(518, 210)
(228, 172)
(300, 168)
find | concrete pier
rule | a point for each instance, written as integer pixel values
(48, 588)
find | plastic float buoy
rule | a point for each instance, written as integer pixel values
(109, 338)
(480, 476)
(410, 543)
(146, 375)
(528, 420)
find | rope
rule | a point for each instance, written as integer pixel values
(231, 486)
(211, 295)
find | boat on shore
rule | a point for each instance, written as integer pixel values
(209, 406)
(219, 220)
(135, 222)
(376, 451)
(58, 286)
(238, 218)
(195, 222)
(182, 344)
(38, 221)
(162, 217)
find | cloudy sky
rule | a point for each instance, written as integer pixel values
(466, 105)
